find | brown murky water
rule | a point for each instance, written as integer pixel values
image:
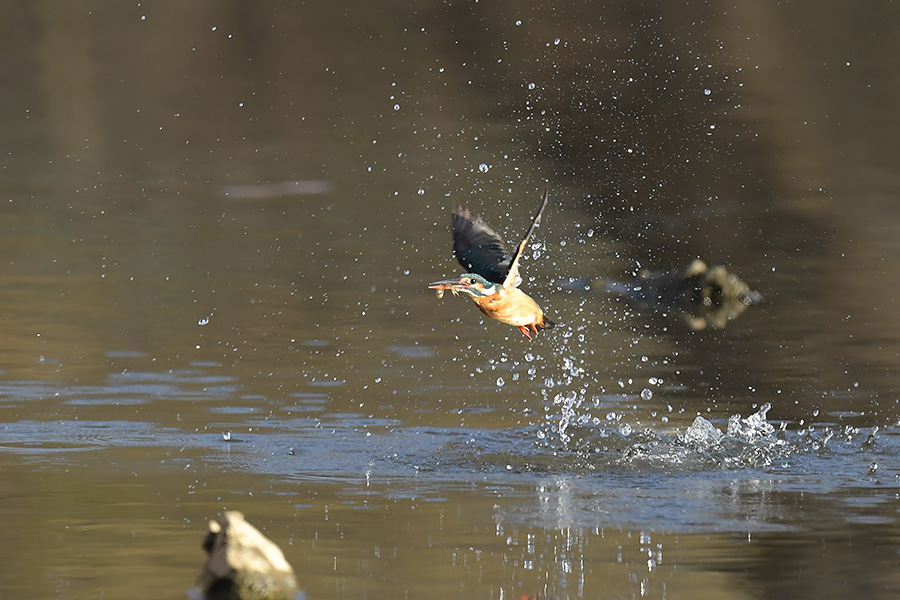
(218, 221)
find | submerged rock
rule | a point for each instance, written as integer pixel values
(703, 296)
(243, 564)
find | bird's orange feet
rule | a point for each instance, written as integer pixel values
(524, 330)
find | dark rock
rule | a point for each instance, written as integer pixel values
(703, 296)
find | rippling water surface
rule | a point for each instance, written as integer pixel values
(218, 224)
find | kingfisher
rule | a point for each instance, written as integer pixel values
(492, 280)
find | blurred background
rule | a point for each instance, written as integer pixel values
(218, 224)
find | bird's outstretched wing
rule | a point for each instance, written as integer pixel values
(512, 276)
(478, 248)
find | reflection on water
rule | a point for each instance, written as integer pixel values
(581, 501)
(213, 267)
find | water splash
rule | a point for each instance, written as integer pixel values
(753, 428)
(612, 443)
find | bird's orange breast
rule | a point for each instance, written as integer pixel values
(511, 306)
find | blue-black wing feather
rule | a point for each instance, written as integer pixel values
(478, 248)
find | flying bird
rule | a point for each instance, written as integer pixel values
(492, 279)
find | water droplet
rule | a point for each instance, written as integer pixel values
(396, 107)
(647, 394)
(203, 321)
(421, 192)
(707, 92)
(484, 167)
(500, 382)
(226, 435)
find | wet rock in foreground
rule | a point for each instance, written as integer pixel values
(243, 564)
